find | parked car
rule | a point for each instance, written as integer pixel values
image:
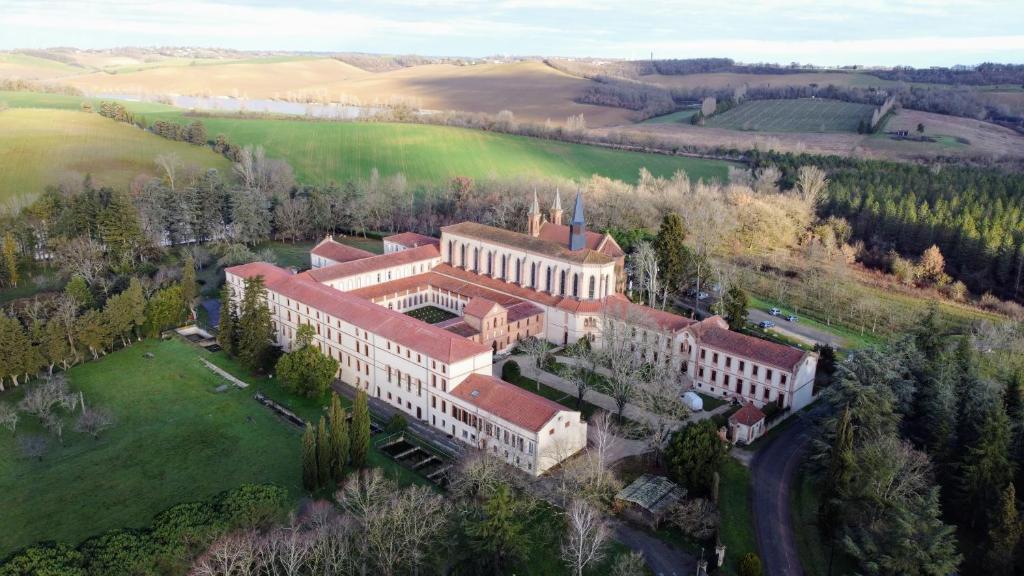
(792, 318)
(766, 324)
(775, 312)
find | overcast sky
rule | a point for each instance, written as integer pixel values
(826, 32)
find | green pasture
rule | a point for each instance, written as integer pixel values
(800, 115)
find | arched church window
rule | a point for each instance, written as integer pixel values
(490, 263)
(547, 281)
(561, 283)
(576, 285)
(593, 287)
(462, 255)
(519, 271)
(533, 275)
(451, 252)
(476, 259)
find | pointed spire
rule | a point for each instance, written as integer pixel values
(577, 228)
(535, 209)
(577, 211)
(558, 201)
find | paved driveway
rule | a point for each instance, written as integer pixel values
(773, 467)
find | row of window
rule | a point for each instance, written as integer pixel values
(555, 281)
(741, 366)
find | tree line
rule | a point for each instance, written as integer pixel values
(922, 445)
(974, 215)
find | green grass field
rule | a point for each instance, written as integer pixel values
(430, 314)
(803, 115)
(43, 147)
(176, 440)
(322, 151)
(737, 528)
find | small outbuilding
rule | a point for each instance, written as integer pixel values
(648, 498)
(746, 425)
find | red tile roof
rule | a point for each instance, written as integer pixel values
(378, 262)
(755, 349)
(748, 415)
(414, 334)
(507, 401)
(412, 239)
(480, 307)
(603, 243)
(663, 320)
(269, 272)
(333, 250)
(526, 242)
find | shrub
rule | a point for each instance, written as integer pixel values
(750, 565)
(397, 423)
(510, 372)
(253, 505)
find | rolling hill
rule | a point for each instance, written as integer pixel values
(42, 147)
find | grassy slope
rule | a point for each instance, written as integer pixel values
(175, 441)
(333, 151)
(41, 147)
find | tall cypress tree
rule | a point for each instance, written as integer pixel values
(254, 325)
(323, 454)
(360, 431)
(189, 287)
(1004, 535)
(310, 474)
(227, 327)
(842, 462)
(339, 439)
(986, 468)
(670, 247)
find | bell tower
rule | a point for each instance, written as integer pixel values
(533, 217)
(577, 228)
(556, 209)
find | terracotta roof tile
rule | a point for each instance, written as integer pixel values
(748, 415)
(269, 272)
(507, 401)
(603, 243)
(526, 242)
(412, 239)
(378, 262)
(664, 320)
(756, 349)
(332, 249)
(480, 307)
(409, 332)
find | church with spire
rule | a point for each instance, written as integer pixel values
(557, 281)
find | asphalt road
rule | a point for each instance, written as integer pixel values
(797, 330)
(773, 469)
(662, 558)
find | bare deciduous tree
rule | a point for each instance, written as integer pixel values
(236, 554)
(630, 564)
(697, 517)
(94, 421)
(645, 262)
(8, 417)
(587, 536)
(536, 349)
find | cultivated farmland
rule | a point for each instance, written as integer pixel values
(42, 147)
(803, 115)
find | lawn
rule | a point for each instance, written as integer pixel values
(175, 440)
(737, 528)
(323, 151)
(800, 115)
(431, 314)
(710, 402)
(43, 147)
(567, 400)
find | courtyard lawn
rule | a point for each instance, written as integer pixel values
(176, 440)
(567, 400)
(737, 528)
(710, 402)
(430, 314)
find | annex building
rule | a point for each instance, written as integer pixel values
(558, 282)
